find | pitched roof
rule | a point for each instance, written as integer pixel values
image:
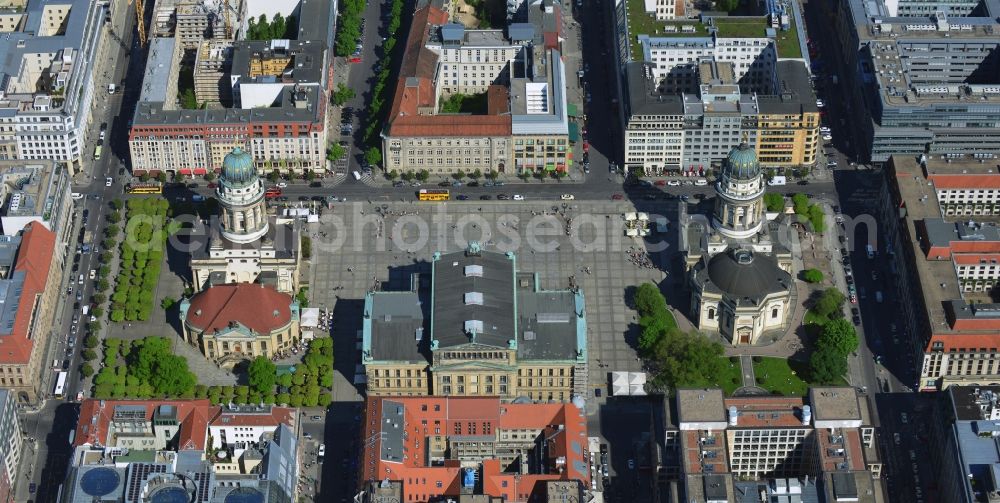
(34, 258)
(258, 307)
(415, 90)
(272, 416)
(965, 181)
(96, 417)
(562, 425)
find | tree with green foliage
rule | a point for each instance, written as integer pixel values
(458, 175)
(306, 246)
(342, 94)
(274, 176)
(392, 175)
(774, 202)
(812, 275)
(726, 5)
(335, 152)
(423, 175)
(827, 366)
(816, 218)
(90, 342)
(829, 303)
(373, 156)
(89, 355)
(86, 369)
(800, 203)
(649, 301)
(262, 375)
(167, 303)
(840, 336)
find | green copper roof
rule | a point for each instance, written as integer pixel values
(742, 163)
(238, 168)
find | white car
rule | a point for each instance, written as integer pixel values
(674, 183)
(93, 273)
(282, 185)
(518, 197)
(77, 196)
(824, 129)
(827, 137)
(567, 197)
(820, 103)
(108, 182)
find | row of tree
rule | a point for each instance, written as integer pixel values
(677, 358)
(382, 88)
(278, 28)
(141, 255)
(151, 370)
(811, 213)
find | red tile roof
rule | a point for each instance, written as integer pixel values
(423, 416)
(967, 181)
(415, 93)
(34, 257)
(976, 259)
(223, 417)
(96, 417)
(260, 308)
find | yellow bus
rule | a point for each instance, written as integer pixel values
(433, 195)
(145, 188)
(97, 152)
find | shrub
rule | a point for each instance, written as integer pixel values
(812, 275)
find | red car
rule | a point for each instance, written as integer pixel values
(617, 197)
(661, 183)
(211, 185)
(355, 60)
(586, 146)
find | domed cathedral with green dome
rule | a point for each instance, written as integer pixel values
(245, 244)
(740, 275)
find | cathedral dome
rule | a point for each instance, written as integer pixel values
(741, 164)
(238, 168)
(742, 273)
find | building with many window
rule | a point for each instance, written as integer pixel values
(49, 51)
(472, 449)
(687, 111)
(822, 445)
(278, 91)
(235, 323)
(29, 292)
(488, 329)
(920, 76)
(517, 119)
(946, 263)
(968, 441)
(183, 450)
(11, 445)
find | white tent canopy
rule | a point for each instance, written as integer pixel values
(628, 383)
(309, 317)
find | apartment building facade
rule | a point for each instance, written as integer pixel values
(919, 81)
(726, 446)
(11, 445)
(521, 125)
(479, 448)
(31, 291)
(670, 131)
(509, 340)
(945, 265)
(48, 95)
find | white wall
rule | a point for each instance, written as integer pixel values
(259, 95)
(269, 7)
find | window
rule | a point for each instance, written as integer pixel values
(774, 313)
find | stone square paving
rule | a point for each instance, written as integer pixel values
(352, 249)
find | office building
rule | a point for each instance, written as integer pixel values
(688, 114)
(967, 436)
(944, 262)
(236, 323)
(29, 296)
(49, 79)
(36, 191)
(277, 92)
(472, 449)
(135, 450)
(822, 445)
(245, 244)
(520, 119)
(489, 330)
(11, 444)
(920, 76)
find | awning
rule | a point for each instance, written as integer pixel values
(550, 166)
(200, 171)
(185, 171)
(571, 110)
(574, 132)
